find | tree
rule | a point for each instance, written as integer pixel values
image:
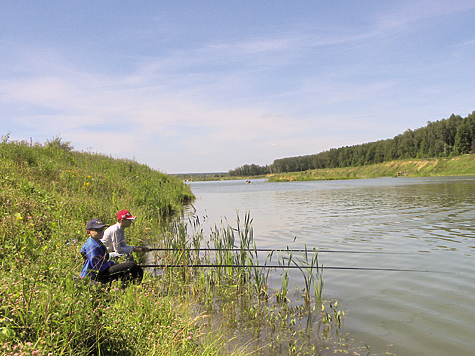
(455, 135)
(463, 139)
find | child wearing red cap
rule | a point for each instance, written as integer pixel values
(114, 236)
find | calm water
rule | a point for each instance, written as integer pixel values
(429, 222)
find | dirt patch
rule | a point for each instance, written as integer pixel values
(420, 165)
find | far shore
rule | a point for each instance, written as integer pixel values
(424, 167)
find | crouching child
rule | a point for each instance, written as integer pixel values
(97, 264)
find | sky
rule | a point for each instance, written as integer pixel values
(208, 86)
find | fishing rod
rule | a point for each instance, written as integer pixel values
(271, 250)
(290, 267)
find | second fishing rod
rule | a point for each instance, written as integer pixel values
(273, 250)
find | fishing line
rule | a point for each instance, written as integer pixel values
(272, 250)
(290, 267)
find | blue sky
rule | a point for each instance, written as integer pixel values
(208, 86)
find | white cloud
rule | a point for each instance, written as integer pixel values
(469, 43)
(405, 16)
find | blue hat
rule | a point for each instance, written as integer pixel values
(95, 224)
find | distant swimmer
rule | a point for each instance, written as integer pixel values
(248, 181)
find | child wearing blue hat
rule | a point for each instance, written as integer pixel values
(97, 265)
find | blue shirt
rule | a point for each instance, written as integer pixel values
(96, 258)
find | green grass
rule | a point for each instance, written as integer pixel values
(237, 297)
(47, 195)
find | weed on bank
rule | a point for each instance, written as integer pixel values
(47, 194)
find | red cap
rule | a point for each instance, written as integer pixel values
(124, 214)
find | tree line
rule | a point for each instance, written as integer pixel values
(443, 138)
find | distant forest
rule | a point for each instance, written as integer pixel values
(444, 138)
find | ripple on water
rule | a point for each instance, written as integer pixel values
(427, 222)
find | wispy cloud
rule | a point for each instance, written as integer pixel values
(412, 15)
(469, 43)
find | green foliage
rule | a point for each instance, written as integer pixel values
(47, 196)
(249, 170)
(58, 144)
(233, 291)
(463, 139)
(440, 139)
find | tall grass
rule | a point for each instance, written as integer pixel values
(47, 195)
(233, 290)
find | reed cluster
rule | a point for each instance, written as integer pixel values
(232, 292)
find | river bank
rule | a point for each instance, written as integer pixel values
(425, 167)
(47, 194)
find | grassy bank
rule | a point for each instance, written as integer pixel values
(47, 195)
(460, 165)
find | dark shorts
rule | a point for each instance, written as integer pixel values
(121, 271)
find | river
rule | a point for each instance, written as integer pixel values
(424, 224)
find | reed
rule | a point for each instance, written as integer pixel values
(239, 296)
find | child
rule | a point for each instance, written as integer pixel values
(114, 237)
(97, 264)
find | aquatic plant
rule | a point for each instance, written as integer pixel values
(233, 288)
